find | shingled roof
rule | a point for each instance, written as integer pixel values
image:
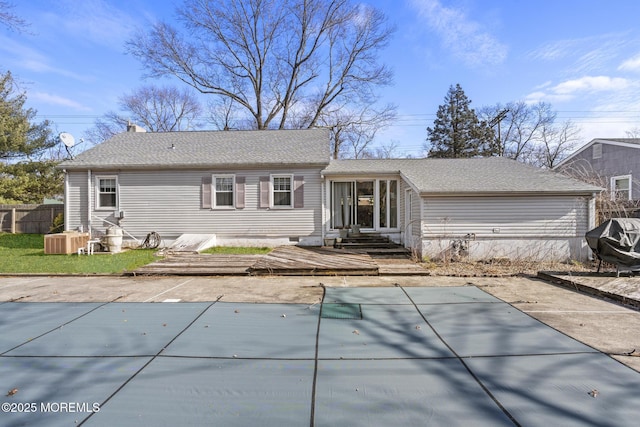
(310, 147)
(139, 150)
(475, 176)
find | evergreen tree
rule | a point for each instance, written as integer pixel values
(457, 131)
(19, 137)
(30, 182)
(25, 177)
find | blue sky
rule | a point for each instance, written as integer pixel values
(581, 56)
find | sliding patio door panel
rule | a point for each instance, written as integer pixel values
(342, 204)
(365, 208)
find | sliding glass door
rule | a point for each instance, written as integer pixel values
(352, 203)
(342, 204)
(371, 204)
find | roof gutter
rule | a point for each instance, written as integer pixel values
(362, 173)
(589, 193)
(71, 167)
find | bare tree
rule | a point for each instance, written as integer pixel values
(557, 142)
(518, 127)
(633, 133)
(354, 131)
(282, 64)
(530, 133)
(10, 20)
(105, 127)
(163, 109)
(157, 109)
(387, 151)
(223, 115)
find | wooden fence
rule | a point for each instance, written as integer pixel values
(33, 219)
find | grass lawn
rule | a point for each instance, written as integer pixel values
(24, 253)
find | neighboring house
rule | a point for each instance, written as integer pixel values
(614, 163)
(266, 188)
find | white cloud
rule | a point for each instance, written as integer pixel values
(466, 39)
(591, 84)
(96, 21)
(22, 57)
(51, 99)
(554, 50)
(585, 55)
(551, 97)
(583, 86)
(632, 64)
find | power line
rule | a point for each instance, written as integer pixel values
(405, 120)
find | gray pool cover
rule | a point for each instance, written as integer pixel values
(375, 357)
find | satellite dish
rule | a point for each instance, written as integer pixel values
(67, 139)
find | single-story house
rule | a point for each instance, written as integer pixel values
(267, 188)
(612, 162)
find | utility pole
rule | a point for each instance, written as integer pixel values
(496, 121)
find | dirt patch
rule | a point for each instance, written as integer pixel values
(500, 268)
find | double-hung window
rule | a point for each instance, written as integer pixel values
(106, 192)
(621, 187)
(282, 186)
(223, 187)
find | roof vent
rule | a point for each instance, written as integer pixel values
(597, 151)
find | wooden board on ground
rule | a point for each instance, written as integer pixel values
(294, 260)
(194, 264)
(285, 260)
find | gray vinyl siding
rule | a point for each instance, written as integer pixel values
(615, 161)
(416, 214)
(506, 217)
(76, 201)
(169, 202)
(532, 228)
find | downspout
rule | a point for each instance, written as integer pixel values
(323, 219)
(89, 213)
(421, 205)
(591, 219)
(66, 200)
(592, 211)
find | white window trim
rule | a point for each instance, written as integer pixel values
(98, 207)
(388, 203)
(214, 204)
(613, 185)
(376, 217)
(272, 191)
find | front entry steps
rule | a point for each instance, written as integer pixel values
(371, 243)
